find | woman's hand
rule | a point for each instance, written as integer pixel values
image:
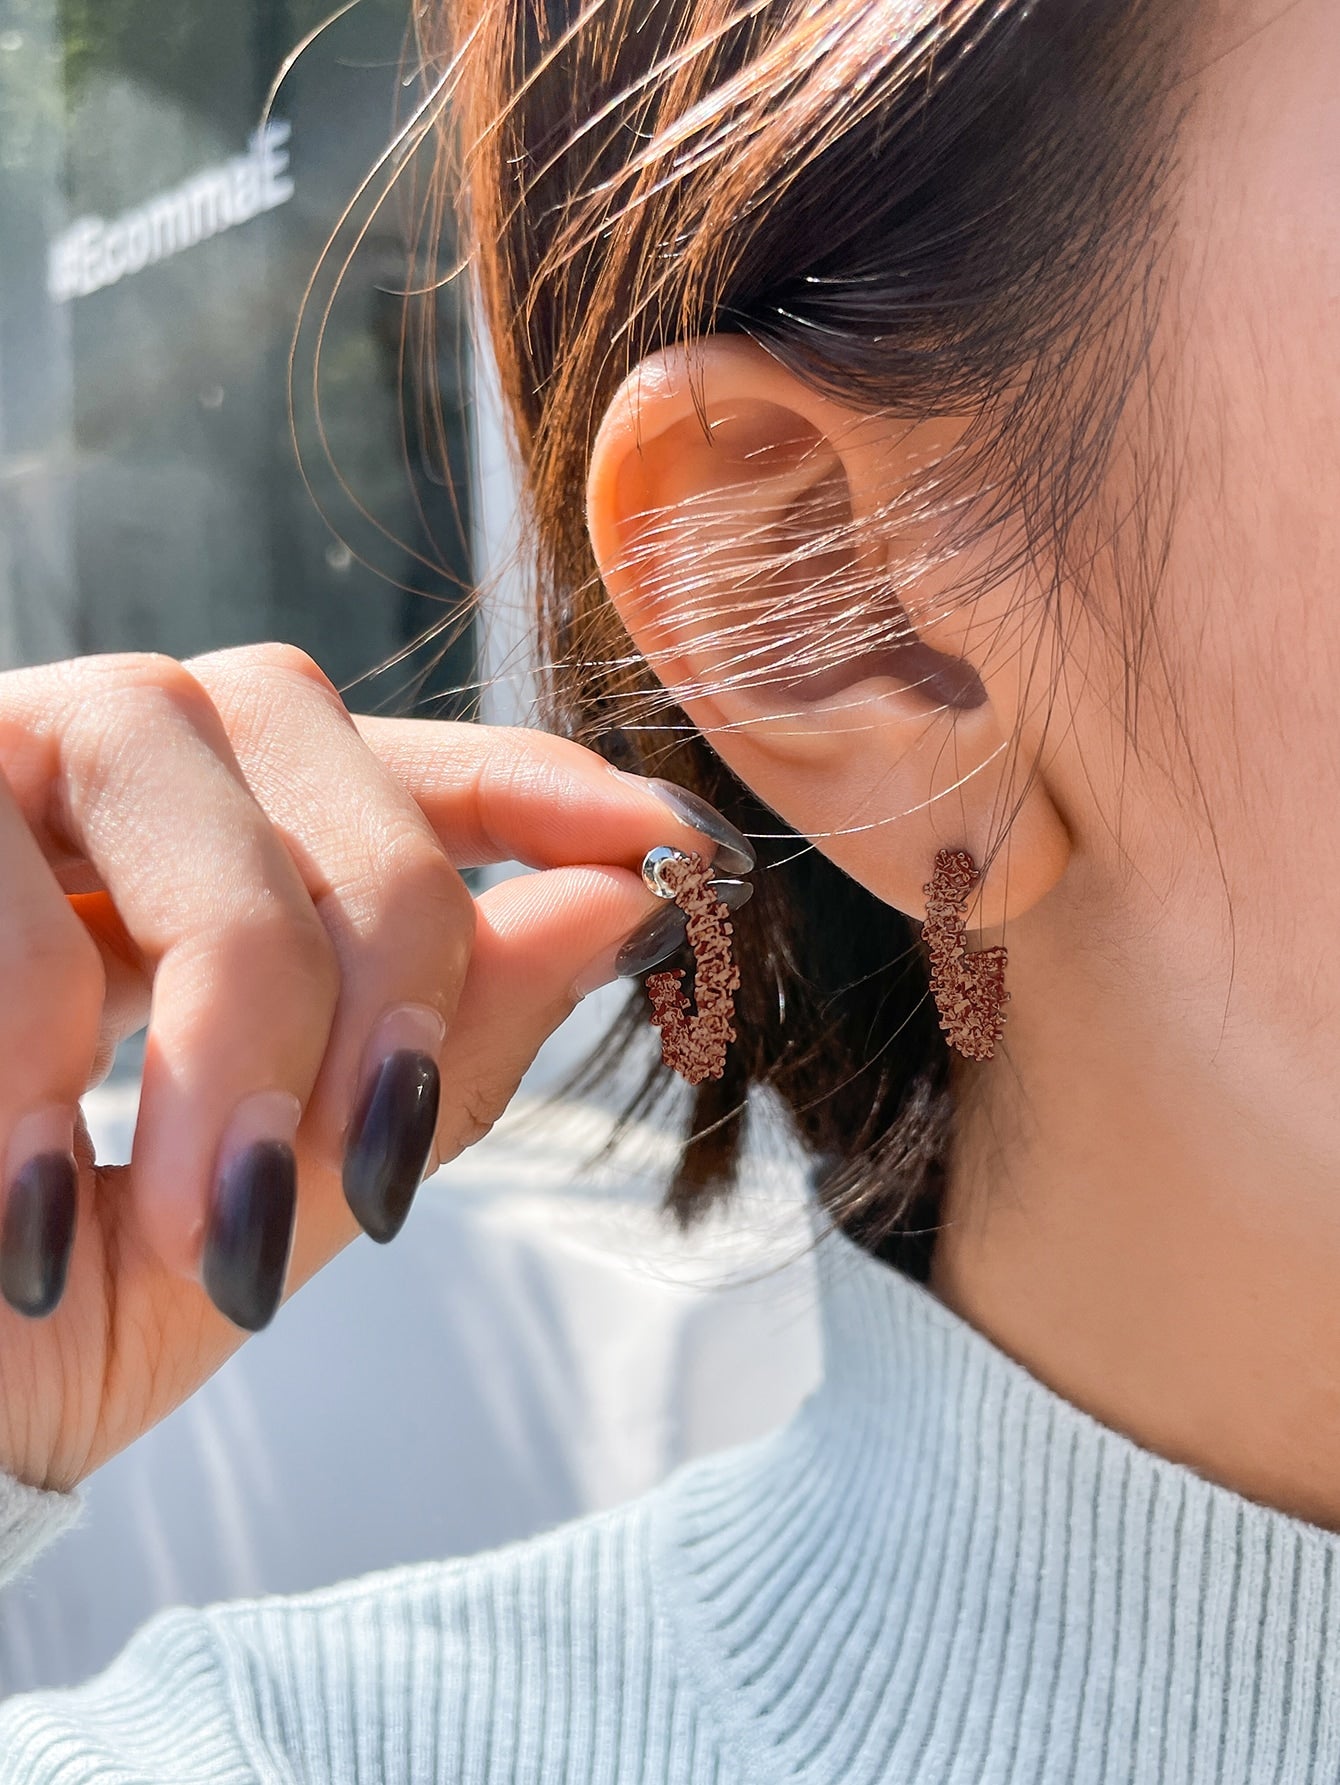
(219, 848)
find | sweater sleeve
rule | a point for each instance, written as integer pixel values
(160, 1714)
(31, 1518)
(542, 1662)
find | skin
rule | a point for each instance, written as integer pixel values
(1145, 1194)
(277, 878)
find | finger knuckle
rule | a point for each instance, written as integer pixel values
(477, 1112)
(135, 702)
(503, 781)
(276, 658)
(266, 694)
(136, 715)
(156, 675)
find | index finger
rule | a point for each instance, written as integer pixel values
(498, 793)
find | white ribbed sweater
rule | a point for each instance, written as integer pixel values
(938, 1571)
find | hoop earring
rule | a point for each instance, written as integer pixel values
(694, 1041)
(969, 989)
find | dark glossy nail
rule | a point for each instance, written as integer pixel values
(251, 1233)
(38, 1234)
(735, 853)
(663, 931)
(390, 1141)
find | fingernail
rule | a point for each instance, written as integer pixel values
(37, 1237)
(391, 1136)
(655, 940)
(250, 1230)
(735, 853)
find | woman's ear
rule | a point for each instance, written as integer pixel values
(745, 526)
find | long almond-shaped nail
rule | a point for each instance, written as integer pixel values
(391, 1136)
(663, 932)
(250, 1230)
(42, 1195)
(735, 853)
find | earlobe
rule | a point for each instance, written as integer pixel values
(741, 524)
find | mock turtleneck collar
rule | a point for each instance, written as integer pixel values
(940, 1571)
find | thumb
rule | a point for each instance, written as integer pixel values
(542, 940)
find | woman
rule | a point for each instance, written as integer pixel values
(928, 413)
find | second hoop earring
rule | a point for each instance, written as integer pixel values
(969, 989)
(694, 1040)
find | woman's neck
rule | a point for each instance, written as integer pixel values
(1149, 1239)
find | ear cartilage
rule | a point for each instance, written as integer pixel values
(694, 1038)
(969, 989)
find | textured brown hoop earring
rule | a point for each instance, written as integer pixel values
(969, 989)
(694, 1041)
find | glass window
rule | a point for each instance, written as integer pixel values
(155, 242)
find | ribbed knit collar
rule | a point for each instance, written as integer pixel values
(940, 1571)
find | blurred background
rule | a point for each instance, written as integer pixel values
(537, 1343)
(156, 248)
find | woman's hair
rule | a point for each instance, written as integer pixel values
(921, 208)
